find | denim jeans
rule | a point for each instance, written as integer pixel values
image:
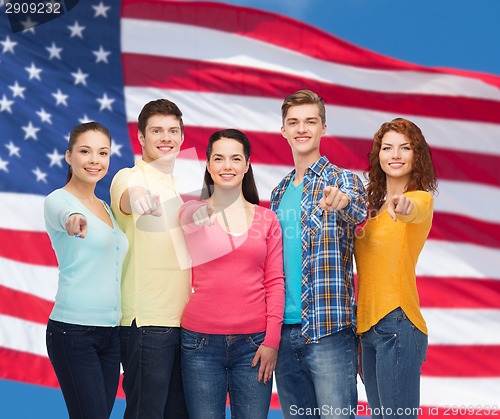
(317, 380)
(213, 365)
(393, 352)
(86, 360)
(152, 376)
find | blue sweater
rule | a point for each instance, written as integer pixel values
(89, 269)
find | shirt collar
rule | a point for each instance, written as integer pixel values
(319, 165)
(151, 171)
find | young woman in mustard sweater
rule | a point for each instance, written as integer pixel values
(393, 332)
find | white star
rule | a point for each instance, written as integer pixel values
(3, 165)
(84, 119)
(28, 25)
(115, 148)
(30, 131)
(101, 10)
(8, 45)
(34, 72)
(105, 102)
(80, 77)
(40, 176)
(44, 116)
(17, 90)
(5, 104)
(13, 150)
(76, 30)
(54, 51)
(101, 55)
(55, 158)
(61, 98)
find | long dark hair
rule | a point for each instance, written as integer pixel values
(82, 129)
(423, 176)
(248, 186)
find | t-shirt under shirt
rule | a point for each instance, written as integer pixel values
(289, 216)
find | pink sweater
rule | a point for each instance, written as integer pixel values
(238, 285)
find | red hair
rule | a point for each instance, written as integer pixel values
(423, 176)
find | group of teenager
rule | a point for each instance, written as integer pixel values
(210, 298)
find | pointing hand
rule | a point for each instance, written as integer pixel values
(333, 199)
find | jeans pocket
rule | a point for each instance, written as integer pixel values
(387, 327)
(156, 330)
(192, 341)
(69, 329)
(256, 339)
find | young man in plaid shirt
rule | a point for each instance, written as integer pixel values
(319, 206)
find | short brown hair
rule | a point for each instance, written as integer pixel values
(303, 97)
(159, 107)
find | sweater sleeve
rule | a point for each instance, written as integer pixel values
(423, 203)
(274, 284)
(186, 216)
(57, 211)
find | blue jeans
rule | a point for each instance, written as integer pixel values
(317, 379)
(213, 365)
(393, 352)
(152, 376)
(86, 360)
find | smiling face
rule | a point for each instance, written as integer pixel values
(303, 129)
(162, 137)
(227, 165)
(396, 156)
(89, 157)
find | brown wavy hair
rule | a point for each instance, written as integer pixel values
(423, 173)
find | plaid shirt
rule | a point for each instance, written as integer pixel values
(327, 299)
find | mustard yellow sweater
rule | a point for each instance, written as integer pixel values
(386, 254)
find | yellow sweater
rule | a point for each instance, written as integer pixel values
(386, 254)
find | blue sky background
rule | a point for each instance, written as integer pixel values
(444, 33)
(460, 34)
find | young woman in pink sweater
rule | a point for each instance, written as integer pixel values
(232, 323)
(393, 331)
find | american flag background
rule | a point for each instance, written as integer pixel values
(228, 66)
